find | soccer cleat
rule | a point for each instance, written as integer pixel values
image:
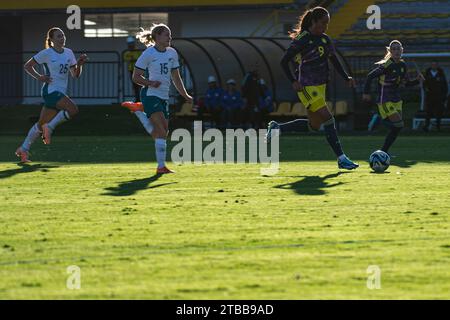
(164, 170)
(348, 164)
(133, 106)
(273, 125)
(46, 134)
(23, 155)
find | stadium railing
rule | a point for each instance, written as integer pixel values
(100, 78)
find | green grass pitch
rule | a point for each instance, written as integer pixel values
(224, 231)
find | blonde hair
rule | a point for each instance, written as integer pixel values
(50, 34)
(147, 37)
(388, 52)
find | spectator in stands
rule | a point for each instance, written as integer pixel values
(130, 57)
(232, 104)
(265, 105)
(213, 100)
(250, 92)
(436, 89)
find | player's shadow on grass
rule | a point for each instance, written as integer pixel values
(25, 168)
(403, 163)
(128, 188)
(312, 185)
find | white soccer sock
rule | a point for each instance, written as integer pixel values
(61, 117)
(160, 147)
(142, 116)
(33, 134)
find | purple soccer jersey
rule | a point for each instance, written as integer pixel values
(391, 75)
(310, 54)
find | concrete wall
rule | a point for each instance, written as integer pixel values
(183, 24)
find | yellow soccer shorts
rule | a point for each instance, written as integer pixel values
(313, 97)
(388, 108)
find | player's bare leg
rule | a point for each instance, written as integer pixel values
(68, 110)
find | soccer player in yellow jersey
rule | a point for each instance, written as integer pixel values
(312, 48)
(391, 73)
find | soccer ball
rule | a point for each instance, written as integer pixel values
(379, 161)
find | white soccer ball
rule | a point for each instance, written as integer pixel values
(379, 161)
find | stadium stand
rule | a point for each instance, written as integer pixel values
(416, 23)
(298, 110)
(282, 111)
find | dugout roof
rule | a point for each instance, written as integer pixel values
(227, 58)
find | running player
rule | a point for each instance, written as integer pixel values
(391, 73)
(57, 61)
(154, 69)
(312, 48)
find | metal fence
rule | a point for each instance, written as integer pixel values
(100, 79)
(106, 76)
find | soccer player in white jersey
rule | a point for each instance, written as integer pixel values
(57, 61)
(154, 70)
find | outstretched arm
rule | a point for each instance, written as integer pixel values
(178, 83)
(77, 69)
(375, 73)
(339, 67)
(409, 82)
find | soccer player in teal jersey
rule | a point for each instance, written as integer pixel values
(391, 73)
(58, 61)
(154, 70)
(311, 49)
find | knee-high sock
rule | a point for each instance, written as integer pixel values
(60, 117)
(332, 138)
(142, 116)
(33, 134)
(294, 125)
(160, 148)
(390, 138)
(373, 122)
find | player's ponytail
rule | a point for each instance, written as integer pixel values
(48, 39)
(147, 37)
(388, 52)
(307, 19)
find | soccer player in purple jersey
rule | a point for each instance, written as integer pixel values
(312, 48)
(391, 73)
